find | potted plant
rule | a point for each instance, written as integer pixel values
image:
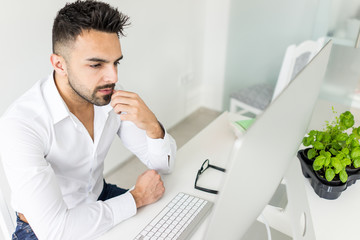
(333, 156)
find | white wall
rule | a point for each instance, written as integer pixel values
(214, 55)
(163, 53)
(25, 45)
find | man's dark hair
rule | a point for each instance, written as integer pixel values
(86, 15)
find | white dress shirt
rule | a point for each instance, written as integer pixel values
(55, 169)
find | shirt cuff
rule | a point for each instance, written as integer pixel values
(123, 207)
(159, 146)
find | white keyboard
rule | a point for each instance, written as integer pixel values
(177, 219)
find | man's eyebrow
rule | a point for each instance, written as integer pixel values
(117, 60)
(95, 59)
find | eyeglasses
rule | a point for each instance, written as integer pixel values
(206, 164)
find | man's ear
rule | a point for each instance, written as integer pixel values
(59, 64)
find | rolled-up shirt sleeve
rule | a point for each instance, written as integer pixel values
(158, 154)
(36, 192)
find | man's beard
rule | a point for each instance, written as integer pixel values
(92, 98)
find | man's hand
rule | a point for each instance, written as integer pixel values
(136, 112)
(148, 188)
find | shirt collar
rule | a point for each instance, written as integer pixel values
(57, 107)
(56, 104)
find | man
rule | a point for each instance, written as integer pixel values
(55, 137)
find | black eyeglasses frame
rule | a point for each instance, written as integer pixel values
(206, 164)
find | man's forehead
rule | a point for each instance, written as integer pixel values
(98, 44)
(97, 38)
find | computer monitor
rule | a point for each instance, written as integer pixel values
(261, 157)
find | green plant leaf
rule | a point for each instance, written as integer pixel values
(356, 132)
(319, 162)
(327, 161)
(340, 155)
(319, 136)
(307, 141)
(349, 140)
(343, 176)
(345, 150)
(341, 137)
(327, 138)
(356, 162)
(311, 153)
(355, 143)
(355, 153)
(312, 133)
(336, 145)
(346, 161)
(318, 145)
(336, 163)
(333, 151)
(329, 174)
(346, 120)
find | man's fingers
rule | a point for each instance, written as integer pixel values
(137, 112)
(131, 100)
(159, 191)
(148, 189)
(124, 101)
(118, 108)
(124, 94)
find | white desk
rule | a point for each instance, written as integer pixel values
(335, 219)
(214, 142)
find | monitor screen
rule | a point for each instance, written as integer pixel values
(261, 157)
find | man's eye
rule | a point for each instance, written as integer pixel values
(95, 65)
(117, 63)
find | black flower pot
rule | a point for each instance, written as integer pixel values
(304, 160)
(323, 188)
(351, 171)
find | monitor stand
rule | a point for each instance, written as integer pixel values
(294, 219)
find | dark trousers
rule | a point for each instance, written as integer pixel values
(23, 230)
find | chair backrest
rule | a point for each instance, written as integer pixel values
(7, 214)
(296, 58)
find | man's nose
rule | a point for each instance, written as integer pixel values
(111, 75)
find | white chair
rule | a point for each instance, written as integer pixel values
(254, 99)
(251, 101)
(7, 214)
